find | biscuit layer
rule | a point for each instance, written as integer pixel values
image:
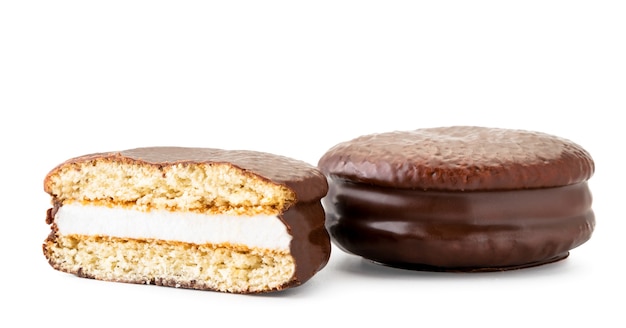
(201, 188)
(219, 267)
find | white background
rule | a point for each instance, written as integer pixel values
(295, 78)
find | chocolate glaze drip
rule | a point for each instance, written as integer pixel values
(455, 230)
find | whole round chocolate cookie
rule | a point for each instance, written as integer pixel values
(459, 198)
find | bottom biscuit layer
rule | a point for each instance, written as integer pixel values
(223, 268)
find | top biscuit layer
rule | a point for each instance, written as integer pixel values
(198, 179)
(459, 158)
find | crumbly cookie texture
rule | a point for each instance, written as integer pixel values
(225, 268)
(203, 188)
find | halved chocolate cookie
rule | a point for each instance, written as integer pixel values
(235, 221)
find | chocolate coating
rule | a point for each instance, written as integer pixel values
(466, 231)
(459, 158)
(310, 245)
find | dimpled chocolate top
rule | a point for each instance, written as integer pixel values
(459, 158)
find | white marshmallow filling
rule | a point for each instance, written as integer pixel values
(258, 231)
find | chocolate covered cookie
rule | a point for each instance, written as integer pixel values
(459, 198)
(210, 219)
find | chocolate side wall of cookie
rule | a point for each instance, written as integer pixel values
(310, 245)
(487, 230)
